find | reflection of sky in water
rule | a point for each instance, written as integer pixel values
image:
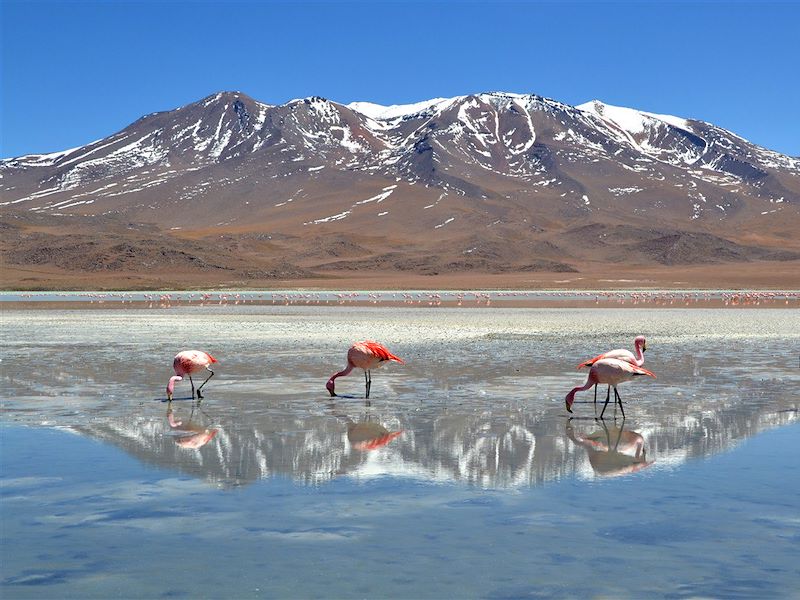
(487, 471)
(723, 527)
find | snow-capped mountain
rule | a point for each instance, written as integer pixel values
(510, 164)
(469, 145)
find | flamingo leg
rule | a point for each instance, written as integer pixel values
(618, 398)
(368, 381)
(608, 396)
(192, 382)
(199, 395)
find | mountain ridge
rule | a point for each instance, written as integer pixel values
(420, 181)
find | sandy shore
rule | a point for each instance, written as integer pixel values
(748, 275)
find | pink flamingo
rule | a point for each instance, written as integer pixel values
(637, 360)
(639, 344)
(186, 363)
(613, 372)
(365, 355)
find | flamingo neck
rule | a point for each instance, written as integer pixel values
(171, 384)
(639, 353)
(590, 381)
(346, 371)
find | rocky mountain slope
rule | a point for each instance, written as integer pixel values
(486, 183)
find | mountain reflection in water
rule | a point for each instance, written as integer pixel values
(492, 449)
(489, 412)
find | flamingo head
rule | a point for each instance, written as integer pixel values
(171, 385)
(640, 341)
(331, 387)
(569, 400)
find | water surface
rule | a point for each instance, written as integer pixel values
(462, 476)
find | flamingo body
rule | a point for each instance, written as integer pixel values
(611, 371)
(366, 355)
(185, 364)
(191, 361)
(640, 345)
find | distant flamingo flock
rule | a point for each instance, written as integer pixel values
(454, 298)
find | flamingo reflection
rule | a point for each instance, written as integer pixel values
(613, 450)
(366, 434)
(190, 435)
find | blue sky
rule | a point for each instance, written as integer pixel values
(73, 72)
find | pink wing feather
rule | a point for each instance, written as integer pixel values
(621, 354)
(381, 351)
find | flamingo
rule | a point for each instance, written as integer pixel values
(186, 363)
(365, 355)
(639, 344)
(612, 371)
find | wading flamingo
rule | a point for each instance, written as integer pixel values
(186, 363)
(639, 344)
(363, 355)
(613, 372)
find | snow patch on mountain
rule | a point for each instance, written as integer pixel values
(379, 112)
(629, 119)
(465, 145)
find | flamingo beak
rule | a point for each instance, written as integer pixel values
(330, 388)
(569, 407)
(169, 396)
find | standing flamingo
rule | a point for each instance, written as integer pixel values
(639, 344)
(612, 371)
(365, 355)
(186, 363)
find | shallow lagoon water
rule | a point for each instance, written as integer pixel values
(489, 490)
